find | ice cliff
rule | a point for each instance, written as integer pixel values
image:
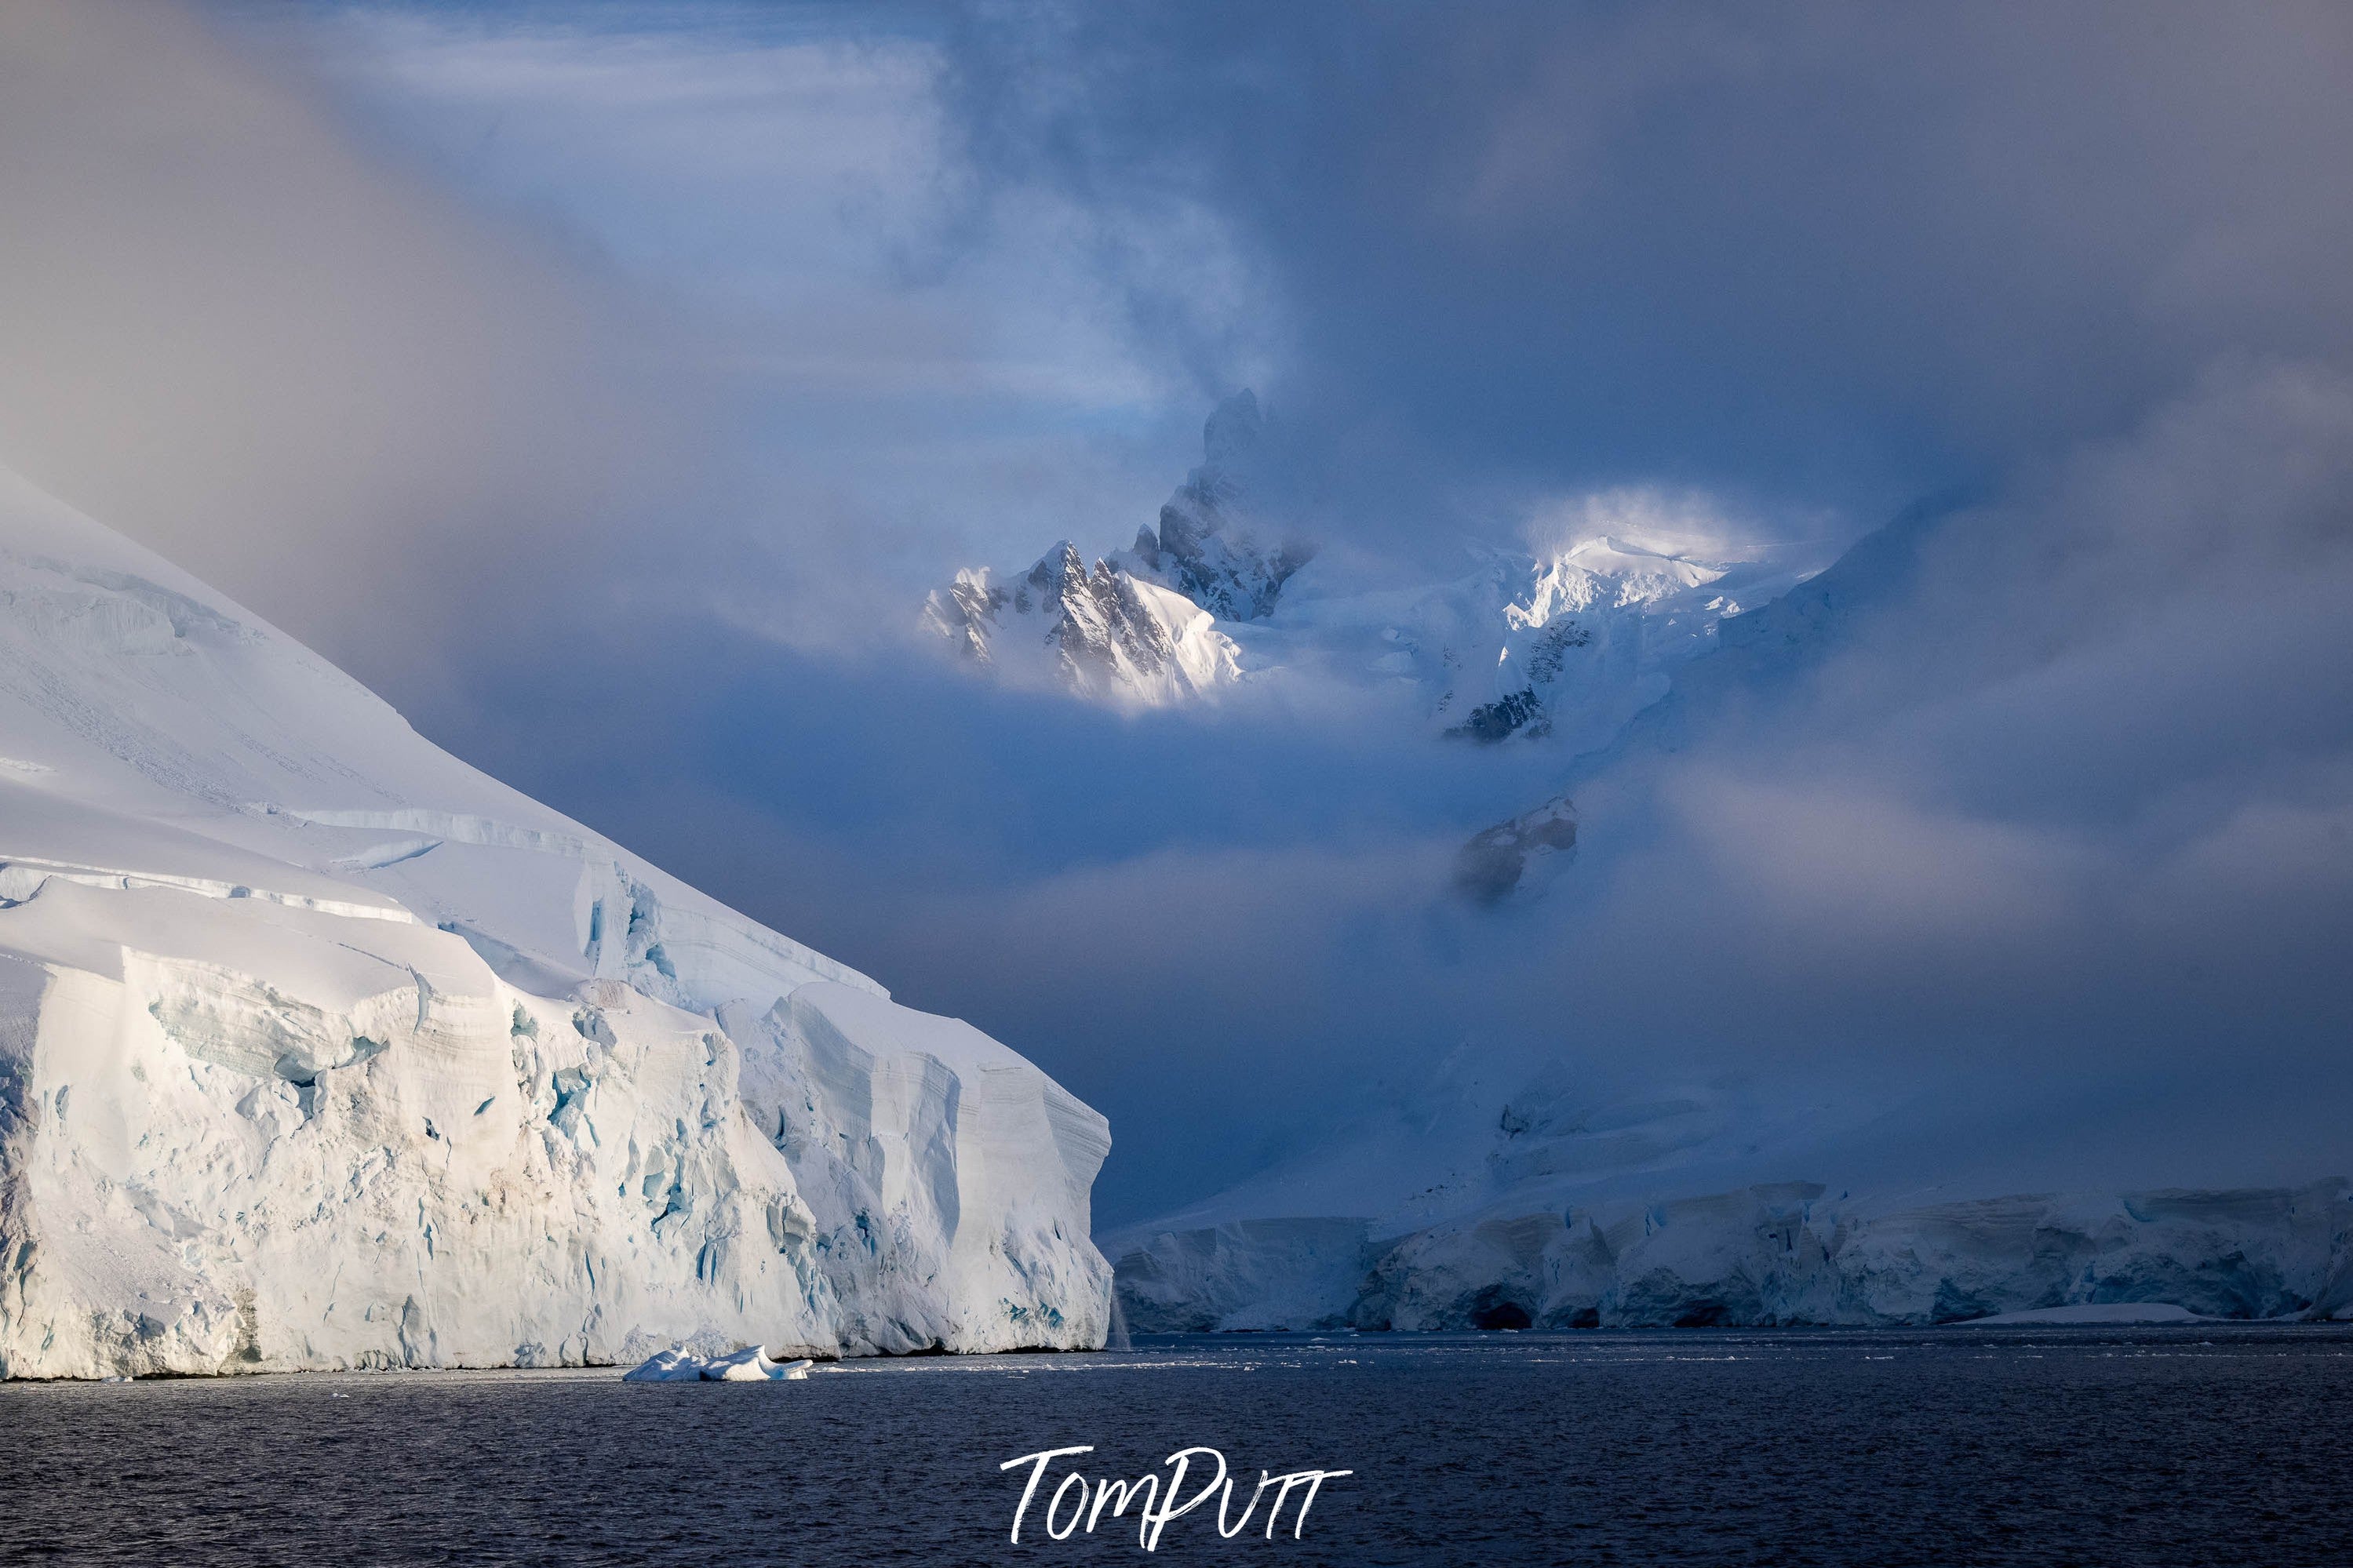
(1788, 1253)
(1490, 1199)
(319, 1049)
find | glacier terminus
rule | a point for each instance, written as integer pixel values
(320, 1049)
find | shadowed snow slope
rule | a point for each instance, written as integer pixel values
(319, 1049)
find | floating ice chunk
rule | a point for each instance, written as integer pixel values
(750, 1364)
(2094, 1312)
(672, 1365)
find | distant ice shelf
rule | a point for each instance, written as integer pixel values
(1784, 1254)
(1494, 1201)
(2091, 1314)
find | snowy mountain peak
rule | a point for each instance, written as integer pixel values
(1139, 627)
(1568, 641)
(1605, 571)
(1231, 436)
(1100, 632)
(1205, 548)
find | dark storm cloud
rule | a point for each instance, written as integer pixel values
(1822, 252)
(234, 332)
(2062, 815)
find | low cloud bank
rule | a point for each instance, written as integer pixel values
(2014, 849)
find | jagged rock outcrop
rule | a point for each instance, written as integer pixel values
(1141, 626)
(1519, 855)
(1103, 633)
(1204, 547)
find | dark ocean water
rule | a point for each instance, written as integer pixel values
(2199, 1445)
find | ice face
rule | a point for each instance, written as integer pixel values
(319, 1049)
(1767, 1255)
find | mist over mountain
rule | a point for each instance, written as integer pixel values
(2005, 850)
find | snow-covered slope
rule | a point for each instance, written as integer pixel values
(320, 1048)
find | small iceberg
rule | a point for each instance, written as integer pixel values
(2110, 1313)
(750, 1364)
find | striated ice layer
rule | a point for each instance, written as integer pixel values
(319, 1049)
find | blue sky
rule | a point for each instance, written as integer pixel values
(604, 383)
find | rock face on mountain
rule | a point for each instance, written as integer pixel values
(1104, 634)
(1204, 547)
(1568, 643)
(1140, 627)
(1516, 857)
(319, 1049)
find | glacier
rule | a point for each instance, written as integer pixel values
(320, 1048)
(1766, 1254)
(1489, 1200)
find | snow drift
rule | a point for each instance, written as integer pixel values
(319, 1049)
